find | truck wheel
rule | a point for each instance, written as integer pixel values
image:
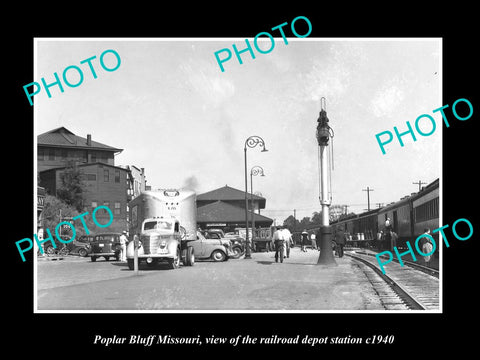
(93, 258)
(175, 262)
(189, 256)
(218, 255)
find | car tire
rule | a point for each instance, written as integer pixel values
(237, 251)
(130, 264)
(175, 262)
(218, 255)
(93, 258)
(107, 258)
(82, 252)
(49, 250)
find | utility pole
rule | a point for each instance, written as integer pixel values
(324, 132)
(368, 196)
(419, 184)
(294, 220)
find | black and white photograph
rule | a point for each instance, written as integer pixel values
(277, 187)
(157, 142)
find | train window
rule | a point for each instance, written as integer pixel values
(426, 211)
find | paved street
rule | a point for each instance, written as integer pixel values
(256, 284)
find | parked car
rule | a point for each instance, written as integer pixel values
(215, 249)
(105, 245)
(81, 246)
(237, 242)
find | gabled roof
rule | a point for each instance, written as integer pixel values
(226, 193)
(220, 211)
(62, 137)
(85, 165)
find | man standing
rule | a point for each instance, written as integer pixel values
(278, 240)
(340, 241)
(427, 246)
(313, 239)
(287, 237)
(123, 246)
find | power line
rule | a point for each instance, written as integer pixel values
(368, 196)
(419, 183)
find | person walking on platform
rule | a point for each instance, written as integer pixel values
(304, 240)
(287, 237)
(427, 247)
(340, 241)
(313, 239)
(279, 244)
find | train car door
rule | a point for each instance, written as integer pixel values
(395, 221)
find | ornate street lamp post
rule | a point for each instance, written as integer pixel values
(251, 142)
(254, 171)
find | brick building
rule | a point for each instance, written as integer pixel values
(104, 183)
(58, 146)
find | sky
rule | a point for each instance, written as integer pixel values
(176, 114)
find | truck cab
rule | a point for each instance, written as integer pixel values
(162, 239)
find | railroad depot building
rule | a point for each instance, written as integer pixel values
(104, 183)
(225, 208)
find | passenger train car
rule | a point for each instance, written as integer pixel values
(409, 217)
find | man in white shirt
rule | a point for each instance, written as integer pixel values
(123, 245)
(287, 237)
(279, 243)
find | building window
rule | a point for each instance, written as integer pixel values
(91, 177)
(107, 204)
(51, 154)
(40, 154)
(117, 176)
(106, 175)
(116, 210)
(94, 204)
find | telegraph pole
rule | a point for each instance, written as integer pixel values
(368, 196)
(419, 183)
(324, 132)
(294, 220)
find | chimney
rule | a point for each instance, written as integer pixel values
(89, 140)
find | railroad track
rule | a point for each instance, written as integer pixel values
(401, 288)
(422, 268)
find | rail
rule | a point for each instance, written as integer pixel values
(410, 300)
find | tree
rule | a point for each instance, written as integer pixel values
(291, 223)
(304, 223)
(72, 187)
(317, 218)
(54, 211)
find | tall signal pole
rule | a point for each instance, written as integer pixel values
(324, 132)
